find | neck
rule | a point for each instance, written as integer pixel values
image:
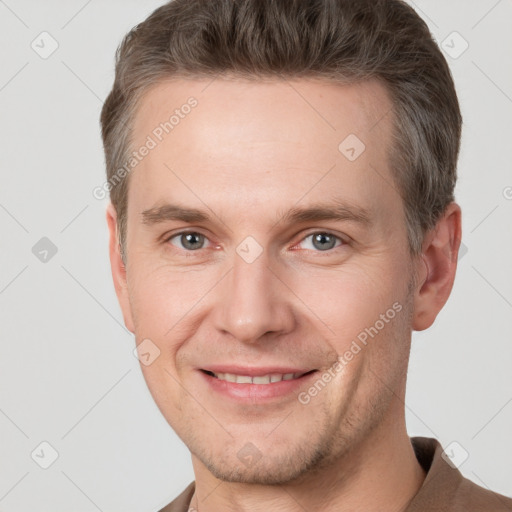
(379, 473)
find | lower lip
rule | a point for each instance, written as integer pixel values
(257, 391)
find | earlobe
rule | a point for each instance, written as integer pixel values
(439, 258)
(118, 269)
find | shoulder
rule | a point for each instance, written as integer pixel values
(473, 497)
(445, 489)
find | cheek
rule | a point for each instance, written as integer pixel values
(348, 301)
(163, 300)
(161, 382)
(163, 308)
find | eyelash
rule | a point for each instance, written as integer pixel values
(190, 253)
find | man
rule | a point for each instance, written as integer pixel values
(282, 217)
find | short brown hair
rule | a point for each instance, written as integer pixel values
(342, 41)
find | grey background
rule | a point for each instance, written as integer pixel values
(67, 372)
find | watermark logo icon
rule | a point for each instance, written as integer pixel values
(44, 45)
(352, 147)
(44, 455)
(249, 454)
(455, 454)
(44, 250)
(249, 249)
(454, 45)
(146, 352)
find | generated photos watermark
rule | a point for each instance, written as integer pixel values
(152, 140)
(362, 338)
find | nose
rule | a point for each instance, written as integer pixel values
(253, 301)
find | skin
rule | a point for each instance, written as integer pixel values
(246, 154)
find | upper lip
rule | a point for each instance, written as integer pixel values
(255, 371)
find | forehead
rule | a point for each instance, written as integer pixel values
(260, 138)
(235, 103)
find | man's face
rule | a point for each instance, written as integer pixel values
(255, 289)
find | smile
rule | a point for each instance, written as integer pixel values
(259, 379)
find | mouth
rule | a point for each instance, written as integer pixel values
(245, 385)
(264, 379)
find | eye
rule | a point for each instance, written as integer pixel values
(188, 240)
(321, 241)
(191, 241)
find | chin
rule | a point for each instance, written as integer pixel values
(277, 469)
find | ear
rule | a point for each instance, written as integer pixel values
(438, 262)
(118, 268)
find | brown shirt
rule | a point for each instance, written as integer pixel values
(444, 488)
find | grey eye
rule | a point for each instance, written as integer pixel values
(322, 241)
(190, 241)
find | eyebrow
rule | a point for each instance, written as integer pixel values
(334, 210)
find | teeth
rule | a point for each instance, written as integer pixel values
(260, 379)
(264, 379)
